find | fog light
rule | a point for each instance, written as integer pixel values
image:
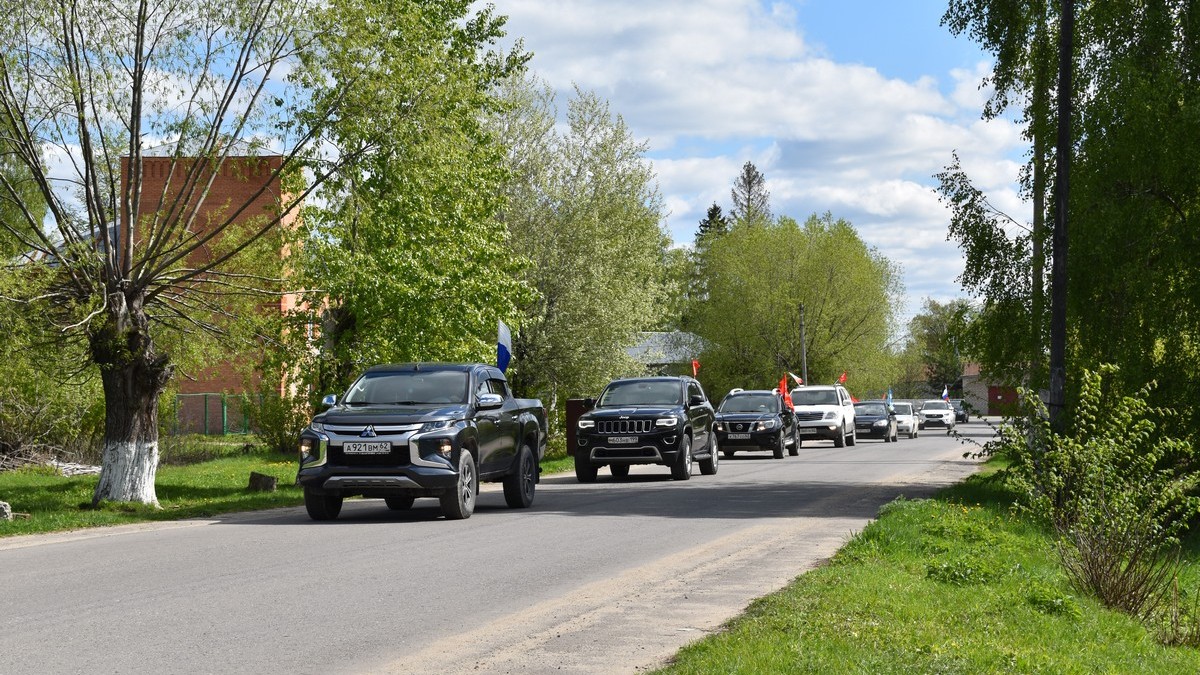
(445, 448)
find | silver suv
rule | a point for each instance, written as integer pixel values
(824, 411)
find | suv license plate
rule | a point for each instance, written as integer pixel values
(739, 437)
(807, 430)
(376, 448)
(623, 440)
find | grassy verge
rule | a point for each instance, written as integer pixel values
(955, 584)
(206, 488)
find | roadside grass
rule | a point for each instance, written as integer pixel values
(954, 584)
(197, 477)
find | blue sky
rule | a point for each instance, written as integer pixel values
(846, 106)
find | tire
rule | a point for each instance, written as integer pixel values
(853, 440)
(708, 467)
(619, 470)
(399, 503)
(585, 471)
(887, 437)
(778, 452)
(519, 486)
(912, 434)
(681, 468)
(840, 441)
(794, 451)
(459, 504)
(322, 507)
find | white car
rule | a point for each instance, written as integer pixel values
(937, 413)
(906, 419)
(824, 411)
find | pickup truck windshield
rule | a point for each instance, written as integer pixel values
(409, 388)
(641, 393)
(751, 403)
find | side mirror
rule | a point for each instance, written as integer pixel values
(488, 401)
(329, 401)
(696, 399)
(589, 403)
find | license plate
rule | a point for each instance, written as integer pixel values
(807, 430)
(623, 440)
(373, 448)
(739, 437)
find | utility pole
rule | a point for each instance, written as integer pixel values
(1062, 188)
(803, 348)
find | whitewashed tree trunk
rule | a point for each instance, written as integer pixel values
(134, 376)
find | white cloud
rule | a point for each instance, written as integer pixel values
(714, 83)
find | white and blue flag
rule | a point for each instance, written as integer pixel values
(503, 347)
(945, 394)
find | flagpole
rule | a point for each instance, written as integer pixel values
(803, 348)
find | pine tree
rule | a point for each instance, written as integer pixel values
(751, 201)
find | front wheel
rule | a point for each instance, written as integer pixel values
(794, 451)
(519, 486)
(840, 441)
(778, 452)
(681, 468)
(585, 471)
(708, 467)
(459, 504)
(322, 507)
(853, 440)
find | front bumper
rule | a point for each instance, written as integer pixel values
(752, 440)
(826, 429)
(409, 468)
(653, 447)
(938, 421)
(872, 431)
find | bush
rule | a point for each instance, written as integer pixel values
(278, 420)
(1117, 491)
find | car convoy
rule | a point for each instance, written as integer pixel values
(408, 431)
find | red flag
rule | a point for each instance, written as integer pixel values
(787, 395)
(695, 367)
(842, 379)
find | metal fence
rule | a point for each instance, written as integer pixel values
(211, 414)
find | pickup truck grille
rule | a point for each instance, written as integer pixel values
(624, 426)
(809, 415)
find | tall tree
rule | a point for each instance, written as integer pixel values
(584, 206)
(405, 251)
(758, 277)
(713, 224)
(938, 334)
(751, 200)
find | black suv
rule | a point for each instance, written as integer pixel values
(756, 420)
(961, 414)
(649, 420)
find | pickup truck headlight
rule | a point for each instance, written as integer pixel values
(435, 425)
(666, 422)
(587, 424)
(318, 427)
(766, 425)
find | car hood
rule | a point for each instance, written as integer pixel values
(745, 417)
(868, 417)
(632, 411)
(390, 414)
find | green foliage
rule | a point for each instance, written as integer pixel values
(938, 334)
(964, 570)
(583, 206)
(758, 276)
(1117, 489)
(405, 252)
(278, 420)
(751, 200)
(1050, 599)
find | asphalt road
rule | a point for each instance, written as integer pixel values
(611, 577)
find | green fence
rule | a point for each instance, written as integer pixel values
(211, 414)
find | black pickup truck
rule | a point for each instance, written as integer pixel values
(651, 420)
(422, 430)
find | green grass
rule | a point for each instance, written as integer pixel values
(955, 584)
(205, 488)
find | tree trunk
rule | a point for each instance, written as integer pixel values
(134, 376)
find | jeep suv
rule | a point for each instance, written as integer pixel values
(648, 420)
(825, 411)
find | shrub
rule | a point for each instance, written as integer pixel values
(1116, 490)
(278, 420)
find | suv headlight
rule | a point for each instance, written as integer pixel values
(764, 425)
(666, 422)
(831, 415)
(720, 426)
(587, 424)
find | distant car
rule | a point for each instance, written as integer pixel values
(960, 411)
(906, 419)
(873, 419)
(756, 420)
(825, 411)
(937, 413)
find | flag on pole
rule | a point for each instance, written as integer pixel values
(695, 368)
(945, 394)
(796, 377)
(503, 347)
(842, 379)
(889, 397)
(787, 395)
